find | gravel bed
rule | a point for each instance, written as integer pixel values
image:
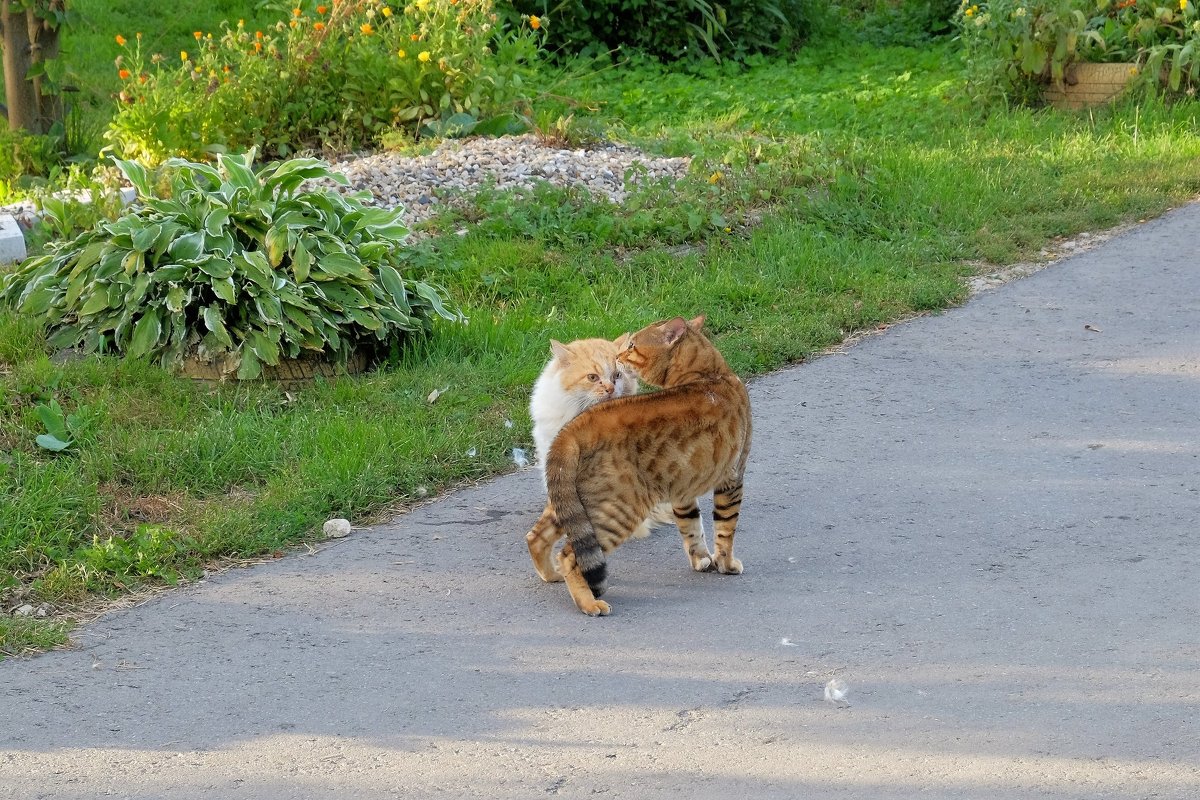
(424, 184)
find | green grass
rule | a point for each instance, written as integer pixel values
(854, 189)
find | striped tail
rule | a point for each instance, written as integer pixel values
(562, 474)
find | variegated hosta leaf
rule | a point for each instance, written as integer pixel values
(238, 266)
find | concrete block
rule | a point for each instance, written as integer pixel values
(12, 240)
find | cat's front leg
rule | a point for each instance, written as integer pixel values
(687, 517)
(577, 585)
(541, 539)
(727, 506)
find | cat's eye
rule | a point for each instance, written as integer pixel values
(593, 377)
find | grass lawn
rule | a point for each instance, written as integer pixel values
(831, 193)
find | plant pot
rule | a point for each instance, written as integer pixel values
(1088, 85)
(289, 370)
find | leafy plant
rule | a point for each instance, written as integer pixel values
(1014, 44)
(334, 74)
(233, 266)
(61, 429)
(150, 551)
(1011, 44)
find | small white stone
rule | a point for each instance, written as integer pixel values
(23, 611)
(336, 528)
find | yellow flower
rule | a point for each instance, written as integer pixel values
(400, 54)
(423, 56)
(387, 12)
(969, 12)
(535, 22)
(1183, 5)
(715, 177)
(183, 55)
(294, 24)
(295, 12)
(120, 40)
(366, 29)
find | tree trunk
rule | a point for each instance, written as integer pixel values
(43, 47)
(19, 93)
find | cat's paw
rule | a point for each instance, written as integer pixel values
(597, 608)
(729, 565)
(702, 564)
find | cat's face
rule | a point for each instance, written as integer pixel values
(588, 369)
(648, 352)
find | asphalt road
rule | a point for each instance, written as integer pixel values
(984, 523)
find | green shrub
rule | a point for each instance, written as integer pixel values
(237, 267)
(1014, 47)
(670, 29)
(333, 74)
(23, 155)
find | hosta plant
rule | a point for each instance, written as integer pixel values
(233, 266)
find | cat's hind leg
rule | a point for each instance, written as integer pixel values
(727, 506)
(687, 517)
(577, 585)
(541, 539)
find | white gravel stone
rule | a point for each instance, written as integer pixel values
(336, 528)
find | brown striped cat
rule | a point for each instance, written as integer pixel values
(578, 376)
(609, 466)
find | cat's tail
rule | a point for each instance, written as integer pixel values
(562, 482)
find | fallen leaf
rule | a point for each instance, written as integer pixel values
(435, 394)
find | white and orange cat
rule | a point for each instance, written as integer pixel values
(578, 376)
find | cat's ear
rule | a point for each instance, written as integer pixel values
(697, 323)
(673, 330)
(560, 351)
(622, 341)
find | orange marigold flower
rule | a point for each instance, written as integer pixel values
(123, 74)
(294, 24)
(295, 12)
(415, 37)
(366, 29)
(318, 26)
(197, 34)
(322, 9)
(258, 35)
(120, 40)
(258, 47)
(535, 22)
(143, 78)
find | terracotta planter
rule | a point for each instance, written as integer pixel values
(1087, 85)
